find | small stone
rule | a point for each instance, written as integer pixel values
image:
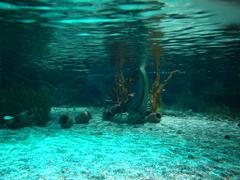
(135, 118)
(65, 122)
(116, 109)
(83, 117)
(121, 118)
(227, 137)
(190, 156)
(19, 121)
(179, 132)
(158, 115)
(108, 115)
(153, 118)
(96, 133)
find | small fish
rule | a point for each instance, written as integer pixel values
(131, 95)
(8, 118)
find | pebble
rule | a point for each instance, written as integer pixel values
(179, 132)
(227, 137)
(190, 156)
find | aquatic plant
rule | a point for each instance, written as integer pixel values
(41, 107)
(120, 90)
(36, 102)
(157, 87)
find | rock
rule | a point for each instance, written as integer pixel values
(179, 132)
(108, 115)
(83, 117)
(190, 156)
(19, 121)
(65, 122)
(227, 137)
(127, 118)
(110, 112)
(153, 118)
(15, 123)
(136, 118)
(121, 118)
(97, 133)
(115, 109)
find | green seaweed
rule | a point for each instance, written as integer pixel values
(17, 100)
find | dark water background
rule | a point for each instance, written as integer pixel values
(71, 46)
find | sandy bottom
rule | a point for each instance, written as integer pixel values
(180, 147)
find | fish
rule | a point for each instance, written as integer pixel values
(7, 118)
(143, 89)
(141, 97)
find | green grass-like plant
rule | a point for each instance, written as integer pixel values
(17, 100)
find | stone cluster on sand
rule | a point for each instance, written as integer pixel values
(130, 118)
(66, 121)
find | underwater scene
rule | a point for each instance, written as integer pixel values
(119, 89)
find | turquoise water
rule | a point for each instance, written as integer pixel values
(183, 27)
(119, 89)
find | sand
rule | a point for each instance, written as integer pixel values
(182, 146)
